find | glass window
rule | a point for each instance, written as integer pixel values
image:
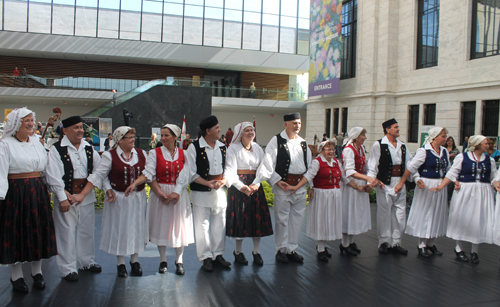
(232, 34)
(232, 15)
(270, 38)
(108, 18)
(349, 36)
(130, 19)
(214, 13)
(235, 4)
(251, 36)
(303, 42)
(336, 120)
(271, 6)
(212, 30)
(413, 123)
(15, 15)
(344, 120)
(172, 28)
(328, 123)
(288, 22)
(173, 9)
(249, 17)
(288, 35)
(86, 18)
(193, 29)
(428, 33)
(485, 34)
(430, 114)
(151, 20)
(490, 118)
(305, 9)
(289, 8)
(468, 119)
(214, 3)
(304, 23)
(194, 2)
(39, 19)
(63, 17)
(272, 20)
(253, 6)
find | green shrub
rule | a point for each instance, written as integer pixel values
(268, 190)
(373, 196)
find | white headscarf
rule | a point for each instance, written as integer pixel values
(175, 129)
(433, 133)
(118, 135)
(474, 141)
(238, 131)
(15, 119)
(352, 135)
(322, 144)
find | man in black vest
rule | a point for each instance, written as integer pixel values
(206, 160)
(71, 161)
(285, 162)
(388, 160)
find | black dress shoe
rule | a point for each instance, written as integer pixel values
(347, 250)
(399, 250)
(122, 271)
(94, 268)
(323, 256)
(434, 250)
(71, 276)
(474, 258)
(179, 269)
(19, 285)
(355, 248)
(281, 257)
(462, 256)
(135, 269)
(207, 265)
(384, 248)
(163, 267)
(327, 252)
(220, 261)
(257, 259)
(38, 281)
(295, 257)
(240, 258)
(423, 252)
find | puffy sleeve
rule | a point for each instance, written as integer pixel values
(183, 178)
(4, 169)
(261, 154)
(455, 169)
(417, 161)
(230, 172)
(349, 164)
(311, 172)
(100, 175)
(493, 173)
(150, 168)
(55, 173)
(191, 156)
(268, 165)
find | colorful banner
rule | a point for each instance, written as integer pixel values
(325, 47)
(91, 128)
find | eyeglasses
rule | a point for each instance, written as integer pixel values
(129, 137)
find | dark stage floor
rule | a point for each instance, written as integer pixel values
(369, 279)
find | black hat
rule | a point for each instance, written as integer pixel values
(389, 123)
(70, 121)
(291, 116)
(208, 122)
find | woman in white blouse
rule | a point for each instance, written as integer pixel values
(472, 205)
(247, 213)
(27, 233)
(170, 215)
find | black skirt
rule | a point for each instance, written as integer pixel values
(26, 225)
(247, 216)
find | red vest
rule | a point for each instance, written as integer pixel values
(120, 174)
(328, 177)
(359, 159)
(166, 171)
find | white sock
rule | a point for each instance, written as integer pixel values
(422, 242)
(321, 246)
(459, 246)
(179, 251)
(475, 248)
(256, 245)
(239, 246)
(120, 260)
(134, 258)
(36, 267)
(163, 253)
(17, 271)
(345, 240)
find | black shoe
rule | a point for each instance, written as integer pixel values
(474, 258)
(135, 269)
(355, 248)
(122, 271)
(38, 281)
(207, 265)
(179, 269)
(323, 256)
(347, 250)
(295, 257)
(19, 285)
(163, 267)
(93, 268)
(434, 250)
(327, 252)
(399, 250)
(220, 261)
(240, 258)
(281, 257)
(423, 252)
(257, 259)
(462, 256)
(71, 276)
(384, 248)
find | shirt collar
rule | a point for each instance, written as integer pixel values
(66, 142)
(285, 136)
(119, 150)
(385, 140)
(334, 161)
(204, 143)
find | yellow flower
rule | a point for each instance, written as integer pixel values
(325, 73)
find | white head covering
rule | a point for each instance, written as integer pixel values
(118, 135)
(322, 144)
(433, 133)
(474, 141)
(175, 129)
(352, 135)
(238, 131)
(15, 119)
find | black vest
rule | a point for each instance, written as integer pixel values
(203, 166)
(385, 162)
(68, 166)
(283, 159)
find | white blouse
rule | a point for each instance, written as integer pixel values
(237, 158)
(150, 169)
(20, 157)
(455, 169)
